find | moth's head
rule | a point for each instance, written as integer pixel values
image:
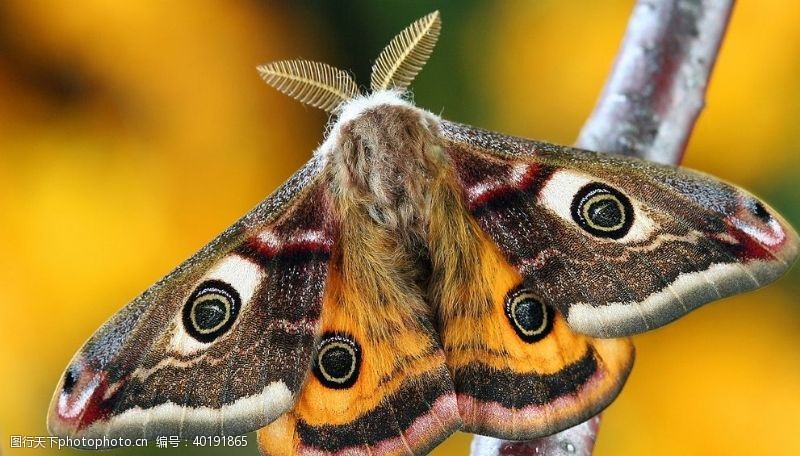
(334, 90)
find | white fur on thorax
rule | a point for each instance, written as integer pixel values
(354, 108)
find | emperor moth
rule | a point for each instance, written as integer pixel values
(417, 277)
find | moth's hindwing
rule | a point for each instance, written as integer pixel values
(220, 346)
(617, 245)
(380, 384)
(520, 372)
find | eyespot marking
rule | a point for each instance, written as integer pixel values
(69, 381)
(211, 310)
(530, 317)
(338, 361)
(760, 211)
(602, 211)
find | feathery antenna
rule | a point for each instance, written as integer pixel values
(325, 87)
(313, 83)
(401, 60)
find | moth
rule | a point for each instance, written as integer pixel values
(414, 278)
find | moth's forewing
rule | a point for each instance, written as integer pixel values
(618, 245)
(222, 344)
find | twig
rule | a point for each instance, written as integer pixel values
(647, 109)
(657, 87)
(577, 440)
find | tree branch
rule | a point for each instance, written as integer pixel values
(657, 87)
(647, 109)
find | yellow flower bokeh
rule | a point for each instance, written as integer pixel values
(132, 133)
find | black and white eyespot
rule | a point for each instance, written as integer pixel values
(530, 317)
(602, 211)
(211, 310)
(598, 209)
(338, 361)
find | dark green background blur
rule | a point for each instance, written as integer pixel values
(131, 133)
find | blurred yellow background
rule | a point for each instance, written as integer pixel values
(131, 133)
